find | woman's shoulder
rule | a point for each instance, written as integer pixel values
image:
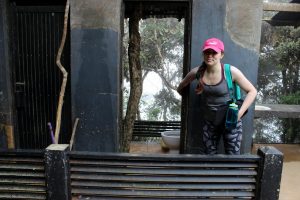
(235, 72)
(234, 69)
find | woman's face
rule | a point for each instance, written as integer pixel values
(211, 57)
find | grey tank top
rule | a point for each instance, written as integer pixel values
(216, 95)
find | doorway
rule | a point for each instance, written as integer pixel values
(37, 30)
(155, 14)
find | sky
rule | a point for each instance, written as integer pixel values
(152, 84)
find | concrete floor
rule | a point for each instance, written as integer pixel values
(290, 181)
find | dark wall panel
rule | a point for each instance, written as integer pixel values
(96, 66)
(239, 29)
(95, 88)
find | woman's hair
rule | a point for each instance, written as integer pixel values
(199, 75)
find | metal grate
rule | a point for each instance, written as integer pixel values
(38, 32)
(153, 128)
(97, 176)
(22, 175)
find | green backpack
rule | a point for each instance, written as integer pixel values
(234, 88)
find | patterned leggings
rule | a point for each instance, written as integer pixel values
(232, 138)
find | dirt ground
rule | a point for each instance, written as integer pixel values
(290, 181)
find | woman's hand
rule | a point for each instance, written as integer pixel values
(187, 80)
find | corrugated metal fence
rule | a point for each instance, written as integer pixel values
(92, 175)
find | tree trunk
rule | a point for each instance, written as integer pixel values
(284, 81)
(295, 78)
(136, 86)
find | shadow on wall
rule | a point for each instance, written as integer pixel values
(3, 138)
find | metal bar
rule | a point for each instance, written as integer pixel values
(163, 193)
(36, 134)
(9, 166)
(22, 196)
(163, 179)
(166, 171)
(161, 157)
(23, 24)
(194, 186)
(22, 174)
(23, 181)
(164, 164)
(22, 188)
(42, 9)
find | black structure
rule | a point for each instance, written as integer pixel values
(60, 174)
(22, 175)
(153, 128)
(270, 164)
(37, 79)
(30, 35)
(57, 172)
(284, 18)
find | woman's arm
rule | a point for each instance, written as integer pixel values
(247, 86)
(187, 79)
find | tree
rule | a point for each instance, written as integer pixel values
(165, 107)
(161, 44)
(162, 40)
(282, 49)
(136, 86)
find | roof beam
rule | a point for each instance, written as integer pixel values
(286, 7)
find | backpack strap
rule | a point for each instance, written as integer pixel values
(234, 89)
(237, 91)
(229, 81)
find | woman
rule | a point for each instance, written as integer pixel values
(213, 87)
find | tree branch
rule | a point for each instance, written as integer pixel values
(64, 72)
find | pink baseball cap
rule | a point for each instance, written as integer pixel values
(214, 44)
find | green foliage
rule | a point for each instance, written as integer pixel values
(153, 113)
(162, 46)
(161, 43)
(169, 105)
(165, 107)
(291, 99)
(287, 53)
(279, 80)
(282, 51)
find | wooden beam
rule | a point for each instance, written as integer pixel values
(286, 7)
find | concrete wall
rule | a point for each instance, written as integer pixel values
(95, 77)
(238, 24)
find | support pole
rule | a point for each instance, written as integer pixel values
(269, 175)
(57, 172)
